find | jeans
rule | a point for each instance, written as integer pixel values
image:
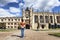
(22, 32)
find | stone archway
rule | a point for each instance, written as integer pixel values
(27, 26)
(43, 26)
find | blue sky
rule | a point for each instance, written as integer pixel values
(10, 8)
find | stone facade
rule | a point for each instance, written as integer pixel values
(34, 20)
(10, 22)
(43, 18)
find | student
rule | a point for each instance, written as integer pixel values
(22, 24)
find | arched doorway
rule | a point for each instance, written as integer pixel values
(43, 26)
(27, 26)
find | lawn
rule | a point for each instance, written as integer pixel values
(55, 34)
(6, 30)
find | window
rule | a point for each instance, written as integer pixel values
(27, 16)
(35, 18)
(1, 19)
(51, 19)
(14, 26)
(15, 23)
(8, 27)
(8, 23)
(11, 19)
(41, 19)
(8, 19)
(15, 19)
(58, 19)
(11, 26)
(11, 23)
(5, 19)
(47, 19)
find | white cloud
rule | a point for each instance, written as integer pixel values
(5, 13)
(42, 4)
(11, 0)
(51, 4)
(3, 2)
(14, 10)
(21, 5)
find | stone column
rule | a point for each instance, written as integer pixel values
(23, 14)
(33, 22)
(44, 18)
(39, 21)
(31, 18)
(46, 26)
(6, 25)
(55, 19)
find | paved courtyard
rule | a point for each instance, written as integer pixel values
(32, 35)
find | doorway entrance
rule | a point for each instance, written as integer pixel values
(27, 26)
(42, 26)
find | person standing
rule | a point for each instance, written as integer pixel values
(22, 25)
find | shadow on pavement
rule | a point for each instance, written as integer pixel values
(20, 38)
(15, 36)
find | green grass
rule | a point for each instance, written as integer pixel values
(40, 30)
(7, 30)
(55, 34)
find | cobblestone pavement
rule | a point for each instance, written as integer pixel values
(32, 35)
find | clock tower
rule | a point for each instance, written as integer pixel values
(27, 15)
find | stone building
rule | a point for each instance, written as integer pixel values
(9, 22)
(46, 20)
(34, 20)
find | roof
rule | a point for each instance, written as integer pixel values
(9, 17)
